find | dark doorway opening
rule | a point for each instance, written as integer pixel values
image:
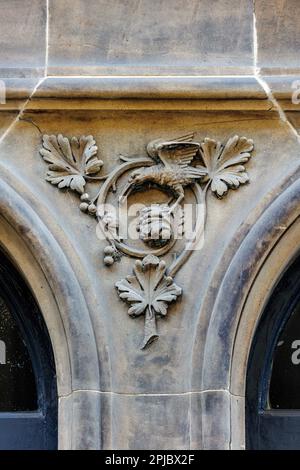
(28, 393)
(273, 378)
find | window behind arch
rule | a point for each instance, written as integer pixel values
(284, 389)
(273, 377)
(28, 393)
(17, 381)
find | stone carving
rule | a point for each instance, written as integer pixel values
(70, 161)
(170, 166)
(149, 291)
(154, 225)
(157, 225)
(223, 164)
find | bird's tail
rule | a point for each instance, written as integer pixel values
(196, 172)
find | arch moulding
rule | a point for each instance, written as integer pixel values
(37, 254)
(267, 250)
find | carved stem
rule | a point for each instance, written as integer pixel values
(199, 230)
(150, 330)
(115, 174)
(131, 251)
(96, 178)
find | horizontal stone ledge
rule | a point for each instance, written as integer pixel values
(161, 394)
(137, 87)
(176, 105)
(284, 87)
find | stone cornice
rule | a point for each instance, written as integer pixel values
(234, 92)
(137, 92)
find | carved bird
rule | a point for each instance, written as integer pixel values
(173, 169)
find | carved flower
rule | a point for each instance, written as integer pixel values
(70, 161)
(148, 290)
(223, 163)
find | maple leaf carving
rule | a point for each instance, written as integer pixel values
(70, 161)
(149, 291)
(224, 163)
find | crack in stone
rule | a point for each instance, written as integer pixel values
(31, 122)
(257, 73)
(47, 39)
(22, 110)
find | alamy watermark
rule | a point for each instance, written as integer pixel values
(2, 92)
(296, 92)
(2, 353)
(155, 224)
(296, 354)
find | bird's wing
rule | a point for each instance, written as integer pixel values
(178, 153)
(184, 138)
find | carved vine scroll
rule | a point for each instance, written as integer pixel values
(169, 165)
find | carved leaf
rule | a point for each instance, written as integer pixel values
(223, 163)
(149, 287)
(167, 292)
(130, 290)
(70, 161)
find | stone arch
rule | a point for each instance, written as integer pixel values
(268, 248)
(68, 322)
